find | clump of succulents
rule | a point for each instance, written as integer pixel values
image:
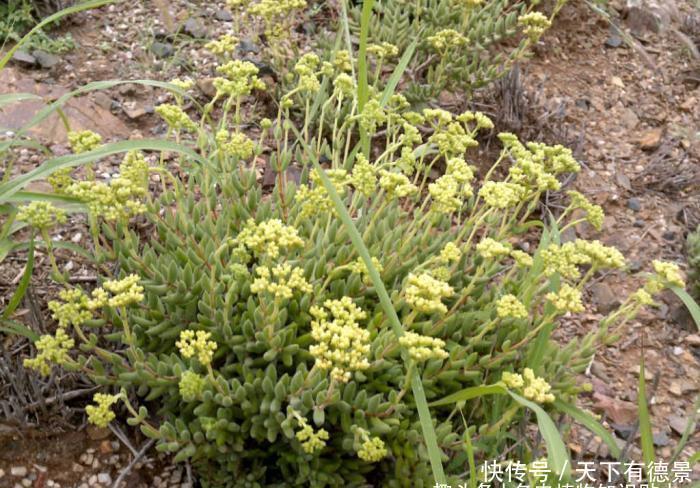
(251, 337)
(462, 44)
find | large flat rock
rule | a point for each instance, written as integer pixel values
(82, 112)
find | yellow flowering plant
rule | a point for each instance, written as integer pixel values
(252, 332)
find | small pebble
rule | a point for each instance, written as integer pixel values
(104, 478)
(634, 204)
(677, 351)
(18, 471)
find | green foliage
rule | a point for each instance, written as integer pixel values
(490, 40)
(693, 250)
(249, 325)
(17, 17)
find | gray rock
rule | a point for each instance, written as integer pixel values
(661, 439)
(195, 28)
(46, 60)
(104, 478)
(613, 41)
(634, 204)
(162, 49)
(246, 46)
(24, 58)
(18, 471)
(223, 15)
(604, 297)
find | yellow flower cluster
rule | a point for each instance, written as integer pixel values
(50, 350)
(311, 441)
(124, 292)
(185, 84)
(224, 45)
(510, 306)
(241, 79)
(197, 343)
(271, 9)
(84, 141)
(447, 39)
(110, 201)
(314, 199)
(425, 293)
(60, 179)
(74, 310)
(175, 117)
(565, 259)
(450, 189)
(422, 348)
(358, 266)
(280, 281)
(642, 297)
(343, 61)
(534, 24)
(669, 273)
(502, 194)
(521, 258)
(567, 299)
(383, 50)
(452, 140)
(364, 176)
(396, 185)
(372, 449)
(341, 344)
(119, 198)
(101, 414)
(75, 307)
(191, 386)
(41, 215)
(594, 213)
(306, 68)
(533, 388)
(268, 238)
(236, 145)
(450, 253)
(481, 119)
(491, 249)
(343, 85)
(372, 116)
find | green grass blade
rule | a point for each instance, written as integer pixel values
(434, 452)
(470, 452)
(557, 455)
(688, 431)
(66, 202)
(45, 112)
(690, 304)
(644, 418)
(398, 72)
(470, 393)
(23, 284)
(362, 75)
(13, 186)
(69, 246)
(11, 98)
(48, 20)
(591, 424)
(12, 327)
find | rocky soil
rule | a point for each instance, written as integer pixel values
(623, 93)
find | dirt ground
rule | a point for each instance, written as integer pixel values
(626, 100)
